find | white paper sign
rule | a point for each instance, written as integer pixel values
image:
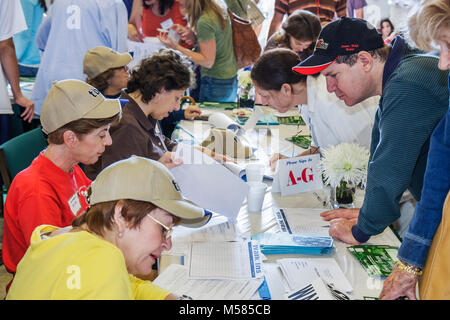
(299, 174)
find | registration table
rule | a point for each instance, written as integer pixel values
(251, 223)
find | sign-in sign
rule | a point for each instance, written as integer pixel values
(299, 174)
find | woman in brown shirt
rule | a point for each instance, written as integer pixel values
(155, 88)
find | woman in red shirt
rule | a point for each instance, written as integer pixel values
(151, 15)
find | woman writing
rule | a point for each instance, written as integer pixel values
(76, 118)
(134, 206)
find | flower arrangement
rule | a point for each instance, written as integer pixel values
(344, 166)
(245, 86)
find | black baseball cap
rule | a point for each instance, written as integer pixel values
(341, 37)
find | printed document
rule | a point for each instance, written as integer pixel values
(175, 279)
(231, 260)
(304, 221)
(298, 272)
(209, 184)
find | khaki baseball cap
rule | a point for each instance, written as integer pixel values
(143, 179)
(70, 100)
(100, 59)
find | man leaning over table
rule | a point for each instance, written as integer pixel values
(413, 98)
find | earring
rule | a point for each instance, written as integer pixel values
(120, 234)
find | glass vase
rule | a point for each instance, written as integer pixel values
(343, 195)
(246, 97)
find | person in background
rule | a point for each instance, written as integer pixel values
(76, 118)
(329, 120)
(387, 30)
(154, 89)
(71, 28)
(325, 11)
(27, 53)
(216, 58)
(12, 21)
(351, 54)
(107, 71)
(299, 32)
(134, 205)
(355, 8)
(425, 247)
(150, 15)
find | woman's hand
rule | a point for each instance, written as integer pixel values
(167, 40)
(168, 159)
(133, 33)
(191, 112)
(186, 34)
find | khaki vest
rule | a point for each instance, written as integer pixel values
(435, 281)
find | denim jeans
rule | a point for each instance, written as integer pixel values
(27, 71)
(218, 90)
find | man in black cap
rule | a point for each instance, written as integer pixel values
(357, 65)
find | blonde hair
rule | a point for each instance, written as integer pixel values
(427, 21)
(195, 8)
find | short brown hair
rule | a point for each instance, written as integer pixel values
(163, 70)
(80, 127)
(100, 217)
(101, 81)
(381, 54)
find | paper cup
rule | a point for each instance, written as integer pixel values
(255, 197)
(254, 172)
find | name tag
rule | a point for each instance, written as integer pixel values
(74, 204)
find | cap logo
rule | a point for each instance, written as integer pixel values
(94, 92)
(349, 47)
(321, 44)
(176, 186)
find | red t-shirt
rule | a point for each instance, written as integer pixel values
(150, 22)
(38, 195)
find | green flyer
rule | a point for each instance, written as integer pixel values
(377, 260)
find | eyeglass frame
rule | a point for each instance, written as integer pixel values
(168, 230)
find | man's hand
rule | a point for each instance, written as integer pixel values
(399, 284)
(26, 103)
(341, 229)
(340, 213)
(192, 112)
(168, 159)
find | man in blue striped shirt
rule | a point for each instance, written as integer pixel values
(351, 54)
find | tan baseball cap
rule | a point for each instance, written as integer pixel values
(70, 100)
(100, 59)
(148, 180)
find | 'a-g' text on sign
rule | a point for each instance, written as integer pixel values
(299, 174)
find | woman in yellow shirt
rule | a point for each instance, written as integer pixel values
(134, 205)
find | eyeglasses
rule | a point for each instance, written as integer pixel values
(166, 232)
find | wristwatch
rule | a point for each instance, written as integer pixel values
(409, 268)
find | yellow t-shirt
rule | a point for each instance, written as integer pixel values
(77, 265)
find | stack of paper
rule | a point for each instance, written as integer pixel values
(283, 243)
(175, 279)
(300, 272)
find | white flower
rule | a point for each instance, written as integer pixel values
(244, 79)
(345, 162)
